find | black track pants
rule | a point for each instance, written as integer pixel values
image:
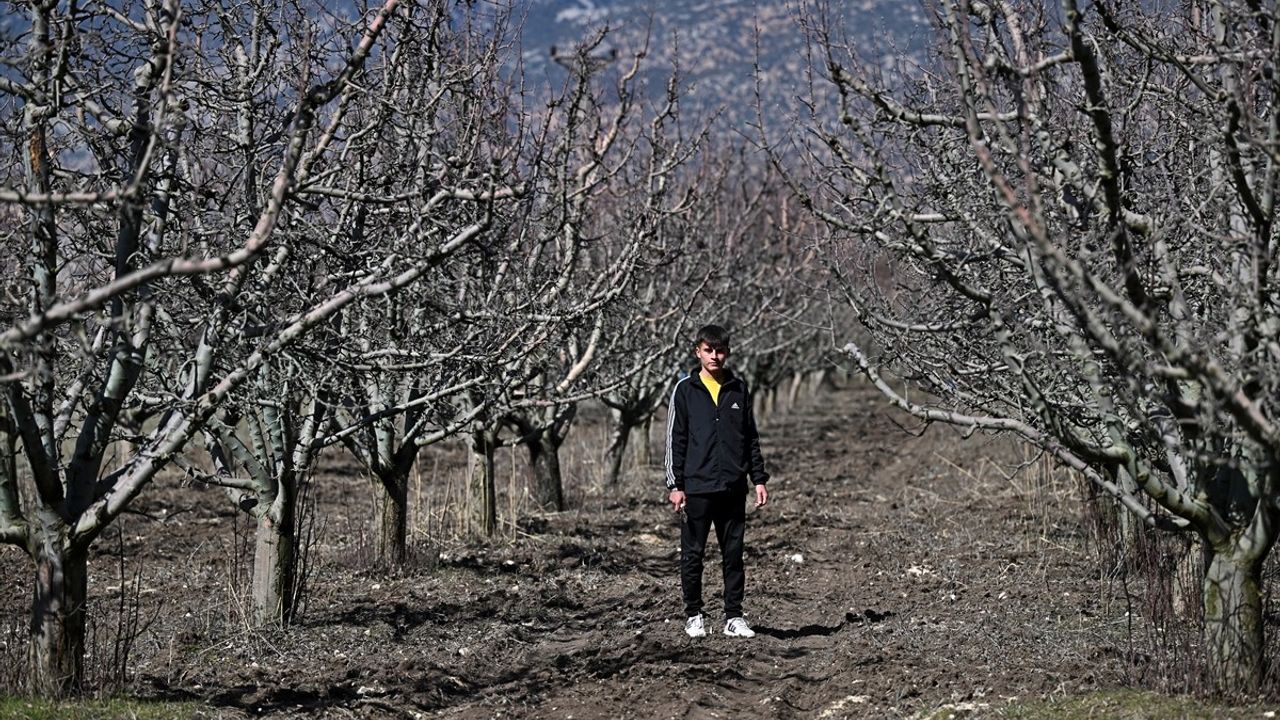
(727, 512)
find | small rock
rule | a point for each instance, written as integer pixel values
(797, 558)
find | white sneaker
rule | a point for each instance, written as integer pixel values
(738, 627)
(693, 627)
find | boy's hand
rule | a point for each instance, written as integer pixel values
(762, 496)
(677, 500)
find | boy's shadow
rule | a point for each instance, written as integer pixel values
(815, 630)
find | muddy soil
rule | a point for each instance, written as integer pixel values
(890, 575)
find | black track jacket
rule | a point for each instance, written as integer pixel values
(712, 448)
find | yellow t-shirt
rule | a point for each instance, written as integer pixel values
(713, 386)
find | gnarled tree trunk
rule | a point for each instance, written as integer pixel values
(275, 560)
(57, 613)
(625, 421)
(542, 435)
(1233, 623)
(544, 460)
(394, 529)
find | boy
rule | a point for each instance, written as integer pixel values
(712, 449)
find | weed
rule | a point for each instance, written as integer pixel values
(110, 644)
(13, 656)
(1123, 705)
(17, 708)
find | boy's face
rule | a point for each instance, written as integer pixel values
(711, 357)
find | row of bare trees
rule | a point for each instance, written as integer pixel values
(1063, 227)
(238, 234)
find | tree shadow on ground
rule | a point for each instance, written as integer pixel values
(260, 699)
(816, 630)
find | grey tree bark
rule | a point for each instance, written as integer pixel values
(631, 409)
(620, 436)
(58, 610)
(482, 495)
(1233, 618)
(644, 443)
(542, 434)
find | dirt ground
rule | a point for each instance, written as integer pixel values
(890, 575)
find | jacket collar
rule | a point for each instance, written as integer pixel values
(696, 377)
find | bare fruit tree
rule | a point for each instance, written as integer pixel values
(391, 177)
(632, 206)
(1063, 228)
(430, 154)
(181, 186)
(733, 256)
(596, 197)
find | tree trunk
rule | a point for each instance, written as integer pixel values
(1188, 573)
(1130, 527)
(817, 379)
(58, 617)
(617, 451)
(644, 450)
(1233, 625)
(275, 560)
(544, 459)
(793, 392)
(482, 506)
(393, 545)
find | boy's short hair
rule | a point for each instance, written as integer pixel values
(713, 335)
